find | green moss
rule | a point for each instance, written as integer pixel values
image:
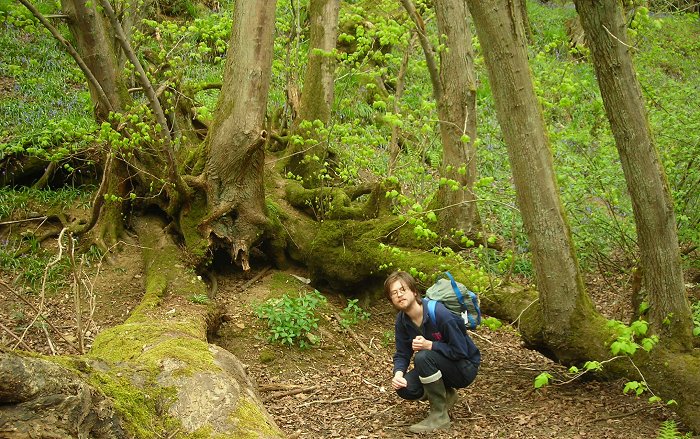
(196, 244)
(266, 356)
(149, 344)
(252, 421)
(138, 408)
(194, 353)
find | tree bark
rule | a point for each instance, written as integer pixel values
(456, 105)
(454, 90)
(307, 159)
(96, 45)
(669, 311)
(565, 305)
(234, 171)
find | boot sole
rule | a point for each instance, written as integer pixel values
(421, 429)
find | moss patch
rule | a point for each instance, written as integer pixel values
(140, 408)
(252, 421)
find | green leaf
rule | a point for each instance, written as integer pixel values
(542, 380)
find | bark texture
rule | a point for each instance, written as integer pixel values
(39, 398)
(565, 305)
(96, 45)
(606, 33)
(318, 93)
(456, 103)
(236, 155)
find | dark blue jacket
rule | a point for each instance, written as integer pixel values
(448, 334)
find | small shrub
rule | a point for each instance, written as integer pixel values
(492, 323)
(696, 318)
(353, 314)
(291, 320)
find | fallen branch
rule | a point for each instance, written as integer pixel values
(290, 393)
(334, 401)
(255, 279)
(13, 335)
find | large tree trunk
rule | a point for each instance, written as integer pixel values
(456, 103)
(307, 159)
(96, 45)
(606, 30)
(235, 196)
(565, 305)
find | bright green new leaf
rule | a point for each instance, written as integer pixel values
(542, 380)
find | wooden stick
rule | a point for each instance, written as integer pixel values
(290, 393)
(13, 335)
(39, 315)
(256, 278)
(357, 339)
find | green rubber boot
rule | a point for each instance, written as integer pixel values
(451, 397)
(437, 418)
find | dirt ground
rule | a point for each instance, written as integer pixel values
(341, 389)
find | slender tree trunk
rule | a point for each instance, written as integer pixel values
(236, 195)
(454, 90)
(456, 102)
(565, 305)
(400, 84)
(96, 45)
(318, 92)
(605, 28)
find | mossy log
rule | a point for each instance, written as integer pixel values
(356, 256)
(153, 376)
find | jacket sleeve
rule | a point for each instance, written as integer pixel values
(455, 343)
(404, 352)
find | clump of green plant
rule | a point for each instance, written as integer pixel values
(292, 320)
(387, 338)
(201, 299)
(696, 318)
(669, 430)
(353, 314)
(492, 323)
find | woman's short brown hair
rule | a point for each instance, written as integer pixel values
(406, 279)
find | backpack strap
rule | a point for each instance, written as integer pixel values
(431, 310)
(455, 288)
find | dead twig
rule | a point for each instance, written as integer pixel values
(39, 314)
(334, 401)
(356, 338)
(13, 335)
(256, 278)
(289, 393)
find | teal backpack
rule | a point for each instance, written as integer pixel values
(457, 298)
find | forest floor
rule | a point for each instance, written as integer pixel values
(341, 388)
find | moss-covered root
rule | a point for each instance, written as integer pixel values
(200, 388)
